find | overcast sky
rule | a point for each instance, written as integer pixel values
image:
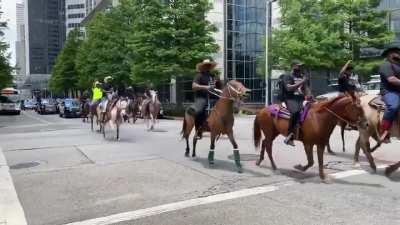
(9, 14)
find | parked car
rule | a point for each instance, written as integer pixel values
(47, 106)
(69, 108)
(28, 104)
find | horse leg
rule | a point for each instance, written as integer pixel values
(262, 153)
(356, 162)
(390, 169)
(212, 147)
(117, 132)
(320, 153)
(365, 146)
(268, 148)
(91, 122)
(328, 146)
(235, 152)
(342, 134)
(194, 144)
(308, 148)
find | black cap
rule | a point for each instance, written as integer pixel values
(297, 62)
(388, 50)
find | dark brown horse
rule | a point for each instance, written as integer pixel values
(219, 122)
(133, 109)
(85, 111)
(315, 130)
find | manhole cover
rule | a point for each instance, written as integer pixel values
(24, 165)
(245, 157)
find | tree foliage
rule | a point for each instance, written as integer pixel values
(5, 67)
(325, 34)
(64, 75)
(145, 41)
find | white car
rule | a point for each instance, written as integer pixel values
(9, 105)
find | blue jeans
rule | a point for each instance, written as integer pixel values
(392, 101)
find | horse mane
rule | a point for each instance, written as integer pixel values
(325, 104)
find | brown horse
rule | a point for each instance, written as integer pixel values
(93, 113)
(114, 115)
(85, 111)
(315, 130)
(220, 121)
(133, 109)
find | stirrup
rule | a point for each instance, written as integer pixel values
(289, 140)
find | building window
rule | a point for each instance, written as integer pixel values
(73, 25)
(76, 15)
(76, 6)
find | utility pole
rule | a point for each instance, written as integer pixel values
(268, 63)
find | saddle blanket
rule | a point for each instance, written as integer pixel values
(282, 112)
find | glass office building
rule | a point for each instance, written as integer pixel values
(244, 45)
(393, 7)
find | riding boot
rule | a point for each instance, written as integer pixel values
(236, 156)
(211, 157)
(384, 131)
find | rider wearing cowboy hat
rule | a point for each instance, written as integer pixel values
(204, 82)
(345, 82)
(296, 89)
(108, 90)
(390, 89)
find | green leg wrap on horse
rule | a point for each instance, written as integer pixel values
(211, 157)
(237, 158)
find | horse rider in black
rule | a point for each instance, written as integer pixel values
(296, 90)
(204, 83)
(108, 91)
(345, 82)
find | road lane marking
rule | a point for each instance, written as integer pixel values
(11, 211)
(37, 118)
(142, 213)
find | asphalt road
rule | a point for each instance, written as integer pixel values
(64, 173)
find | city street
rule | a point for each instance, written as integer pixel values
(64, 173)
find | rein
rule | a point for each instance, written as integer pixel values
(229, 91)
(340, 118)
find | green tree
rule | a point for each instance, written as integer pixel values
(104, 52)
(64, 75)
(169, 38)
(325, 34)
(5, 67)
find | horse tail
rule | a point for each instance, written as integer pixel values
(184, 125)
(256, 133)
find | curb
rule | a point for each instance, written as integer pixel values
(11, 211)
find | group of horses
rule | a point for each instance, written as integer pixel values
(120, 110)
(316, 127)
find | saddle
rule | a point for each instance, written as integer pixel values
(280, 111)
(377, 103)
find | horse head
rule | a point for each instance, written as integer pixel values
(153, 95)
(348, 109)
(235, 90)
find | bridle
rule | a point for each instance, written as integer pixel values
(230, 90)
(343, 119)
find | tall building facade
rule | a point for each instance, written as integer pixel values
(20, 42)
(393, 8)
(44, 37)
(75, 12)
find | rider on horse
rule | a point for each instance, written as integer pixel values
(108, 92)
(390, 89)
(204, 82)
(296, 90)
(97, 93)
(345, 81)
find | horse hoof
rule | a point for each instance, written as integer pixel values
(327, 180)
(186, 154)
(211, 163)
(331, 153)
(299, 167)
(194, 156)
(240, 170)
(356, 165)
(389, 170)
(258, 162)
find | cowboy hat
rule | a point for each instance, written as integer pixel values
(390, 49)
(97, 82)
(297, 62)
(107, 78)
(206, 64)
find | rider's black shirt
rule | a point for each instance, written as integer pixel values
(345, 84)
(386, 70)
(107, 88)
(204, 78)
(291, 79)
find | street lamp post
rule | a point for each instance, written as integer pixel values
(268, 38)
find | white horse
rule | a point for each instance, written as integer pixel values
(115, 116)
(151, 109)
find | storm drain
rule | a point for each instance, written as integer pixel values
(245, 157)
(24, 165)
